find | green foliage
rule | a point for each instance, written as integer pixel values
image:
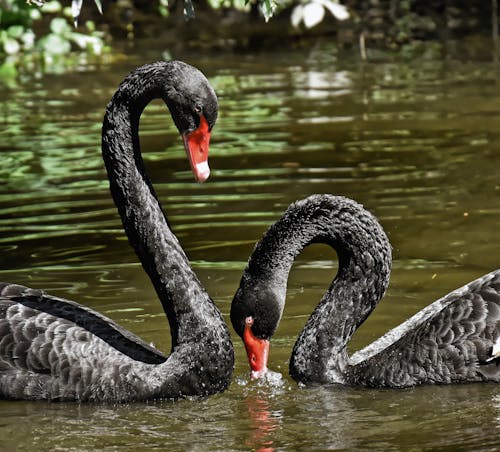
(268, 8)
(53, 42)
(163, 7)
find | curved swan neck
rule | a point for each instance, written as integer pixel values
(364, 255)
(143, 218)
(120, 133)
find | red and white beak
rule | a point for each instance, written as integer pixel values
(196, 144)
(257, 350)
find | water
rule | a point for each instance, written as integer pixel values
(417, 142)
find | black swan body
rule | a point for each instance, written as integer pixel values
(55, 349)
(455, 339)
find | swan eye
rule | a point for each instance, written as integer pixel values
(197, 109)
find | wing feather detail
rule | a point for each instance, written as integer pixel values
(449, 341)
(49, 349)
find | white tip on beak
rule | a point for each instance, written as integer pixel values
(203, 171)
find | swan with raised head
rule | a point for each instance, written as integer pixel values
(55, 349)
(456, 339)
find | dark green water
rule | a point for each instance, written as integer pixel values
(417, 142)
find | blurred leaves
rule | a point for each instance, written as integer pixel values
(188, 9)
(76, 8)
(309, 12)
(55, 39)
(312, 12)
(268, 8)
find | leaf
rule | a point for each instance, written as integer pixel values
(340, 12)
(35, 14)
(59, 26)
(11, 46)
(28, 39)
(313, 14)
(297, 15)
(15, 31)
(51, 7)
(76, 7)
(267, 8)
(91, 43)
(188, 10)
(99, 5)
(54, 44)
(8, 73)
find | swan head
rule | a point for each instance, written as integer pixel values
(255, 314)
(194, 107)
(196, 144)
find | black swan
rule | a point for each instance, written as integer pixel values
(55, 349)
(455, 339)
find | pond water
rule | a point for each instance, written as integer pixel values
(416, 141)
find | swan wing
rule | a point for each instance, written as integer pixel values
(452, 340)
(57, 349)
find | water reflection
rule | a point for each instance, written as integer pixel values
(318, 85)
(263, 423)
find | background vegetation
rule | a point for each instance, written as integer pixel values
(55, 35)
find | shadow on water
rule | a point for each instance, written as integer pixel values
(415, 141)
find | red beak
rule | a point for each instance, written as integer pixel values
(257, 350)
(196, 144)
